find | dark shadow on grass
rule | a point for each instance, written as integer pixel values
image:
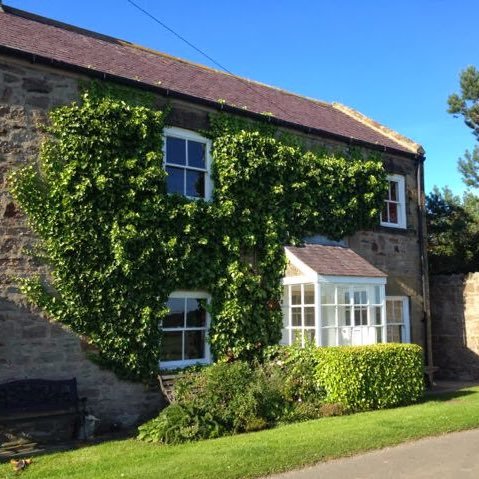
(44, 449)
(447, 395)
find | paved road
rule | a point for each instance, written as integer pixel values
(453, 455)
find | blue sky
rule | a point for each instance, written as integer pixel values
(396, 62)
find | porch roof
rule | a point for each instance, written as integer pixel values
(334, 261)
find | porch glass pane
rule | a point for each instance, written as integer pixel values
(328, 337)
(309, 316)
(309, 294)
(328, 315)
(297, 336)
(343, 295)
(296, 294)
(327, 294)
(309, 336)
(296, 316)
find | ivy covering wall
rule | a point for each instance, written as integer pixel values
(117, 244)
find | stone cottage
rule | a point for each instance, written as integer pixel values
(371, 287)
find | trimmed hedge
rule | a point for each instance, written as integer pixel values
(371, 377)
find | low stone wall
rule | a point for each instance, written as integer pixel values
(455, 325)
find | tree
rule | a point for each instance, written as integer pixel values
(453, 221)
(453, 231)
(467, 105)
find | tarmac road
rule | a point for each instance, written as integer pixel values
(454, 455)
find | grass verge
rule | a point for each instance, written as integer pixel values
(265, 452)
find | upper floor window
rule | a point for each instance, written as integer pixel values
(187, 163)
(394, 209)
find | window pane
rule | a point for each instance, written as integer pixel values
(296, 294)
(176, 317)
(360, 316)
(394, 312)
(393, 212)
(360, 297)
(195, 184)
(343, 295)
(377, 294)
(345, 337)
(328, 316)
(344, 315)
(379, 335)
(175, 180)
(296, 316)
(297, 336)
(309, 316)
(175, 150)
(171, 346)
(328, 337)
(195, 314)
(393, 190)
(196, 154)
(309, 294)
(394, 334)
(384, 213)
(376, 314)
(309, 336)
(327, 294)
(194, 344)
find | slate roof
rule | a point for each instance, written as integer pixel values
(67, 46)
(335, 261)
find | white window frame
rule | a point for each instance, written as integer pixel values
(406, 321)
(184, 134)
(367, 332)
(183, 294)
(288, 307)
(401, 203)
(353, 284)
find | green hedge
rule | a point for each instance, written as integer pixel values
(371, 377)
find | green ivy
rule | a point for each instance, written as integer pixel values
(117, 244)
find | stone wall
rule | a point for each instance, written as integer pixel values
(455, 325)
(30, 345)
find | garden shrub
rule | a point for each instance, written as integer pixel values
(298, 365)
(371, 377)
(180, 423)
(224, 398)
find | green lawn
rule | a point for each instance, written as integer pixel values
(261, 453)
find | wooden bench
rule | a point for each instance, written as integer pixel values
(31, 402)
(167, 386)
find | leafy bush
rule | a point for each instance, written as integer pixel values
(224, 398)
(179, 423)
(371, 377)
(298, 366)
